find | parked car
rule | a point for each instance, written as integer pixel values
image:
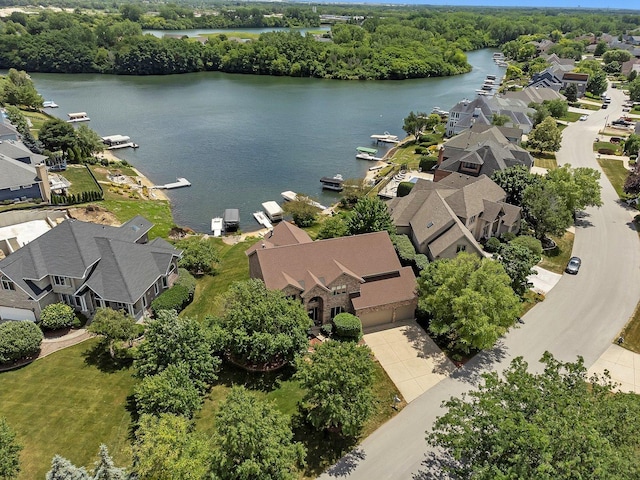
(573, 266)
(583, 117)
(604, 105)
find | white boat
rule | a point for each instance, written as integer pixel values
(368, 156)
(49, 104)
(386, 137)
(216, 226)
(78, 117)
(262, 219)
(332, 183)
(376, 167)
(114, 142)
(290, 196)
(273, 211)
(439, 111)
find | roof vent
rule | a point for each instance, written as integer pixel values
(263, 245)
(430, 224)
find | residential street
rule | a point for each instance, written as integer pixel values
(580, 316)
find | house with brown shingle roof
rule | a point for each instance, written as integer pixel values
(359, 274)
(453, 215)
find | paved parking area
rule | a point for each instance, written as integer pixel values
(411, 359)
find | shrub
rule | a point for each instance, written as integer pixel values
(428, 162)
(527, 241)
(404, 188)
(421, 261)
(187, 280)
(606, 151)
(404, 247)
(507, 237)
(347, 326)
(492, 245)
(326, 329)
(176, 298)
(18, 340)
(420, 150)
(57, 315)
(428, 138)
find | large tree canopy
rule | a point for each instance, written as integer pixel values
(469, 301)
(338, 381)
(261, 326)
(557, 424)
(546, 136)
(254, 441)
(370, 214)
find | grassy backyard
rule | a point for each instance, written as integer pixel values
(548, 163)
(68, 403)
(157, 212)
(81, 180)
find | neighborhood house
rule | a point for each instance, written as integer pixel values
(86, 266)
(359, 274)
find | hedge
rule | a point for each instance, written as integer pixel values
(57, 315)
(176, 298)
(404, 247)
(19, 339)
(347, 326)
(492, 245)
(404, 188)
(427, 162)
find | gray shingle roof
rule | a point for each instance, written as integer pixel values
(16, 173)
(14, 149)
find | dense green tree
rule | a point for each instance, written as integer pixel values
(634, 90)
(546, 136)
(166, 448)
(370, 214)
(338, 380)
(469, 301)
(545, 210)
(113, 325)
(57, 315)
(617, 55)
(304, 214)
(541, 112)
(19, 340)
(632, 144)
(333, 227)
(555, 424)
(63, 469)
(56, 134)
(518, 262)
(131, 11)
(514, 181)
(88, 141)
(19, 90)
(601, 48)
(597, 83)
(253, 440)
(415, 123)
(169, 391)
(261, 326)
(353, 190)
(557, 108)
(571, 93)
(580, 187)
(9, 452)
(105, 469)
(199, 255)
(173, 340)
(527, 241)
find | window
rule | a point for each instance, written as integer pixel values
(338, 289)
(165, 282)
(144, 301)
(461, 248)
(60, 281)
(335, 311)
(156, 288)
(8, 284)
(472, 219)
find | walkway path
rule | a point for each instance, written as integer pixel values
(51, 345)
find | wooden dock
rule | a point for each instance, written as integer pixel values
(179, 183)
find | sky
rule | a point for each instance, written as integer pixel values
(600, 4)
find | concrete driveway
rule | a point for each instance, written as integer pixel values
(622, 365)
(411, 359)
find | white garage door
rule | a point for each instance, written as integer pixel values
(373, 319)
(10, 313)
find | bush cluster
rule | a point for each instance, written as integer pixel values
(492, 245)
(187, 280)
(84, 197)
(18, 340)
(404, 188)
(175, 298)
(58, 315)
(427, 162)
(347, 326)
(407, 253)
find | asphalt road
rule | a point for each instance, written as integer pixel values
(580, 316)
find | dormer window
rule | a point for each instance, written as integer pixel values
(60, 281)
(7, 284)
(338, 289)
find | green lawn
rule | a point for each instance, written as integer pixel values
(616, 147)
(406, 155)
(66, 404)
(548, 163)
(233, 267)
(157, 212)
(588, 106)
(557, 259)
(81, 180)
(631, 332)
(616, 173)
(571, 117)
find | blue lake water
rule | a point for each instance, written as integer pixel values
(242, 140)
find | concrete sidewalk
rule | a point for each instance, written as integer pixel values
(623, 366)
(544, 281)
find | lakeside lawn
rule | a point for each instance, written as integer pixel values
(68, 403)
(80, 178)
(157, 212)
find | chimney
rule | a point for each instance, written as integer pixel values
(440, 155)
(45, 188)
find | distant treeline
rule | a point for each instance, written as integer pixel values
(381, 44)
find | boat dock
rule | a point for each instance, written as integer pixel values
(114, 142)
(332, 183)
(386, 137)
(262, 219)
(78, 117)
(180, 182)
(290, 196)
(366, 153)
(216, 226)
(49, 104)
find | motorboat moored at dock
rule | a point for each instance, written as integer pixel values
(114, 142)
(262, 219)
(273, 211)
(366, 153)
(332, 183)
(290, 196)
(78, 117)
(49, 104)
(216, 226)
(386, 137)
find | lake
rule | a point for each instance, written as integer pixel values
(242, 139)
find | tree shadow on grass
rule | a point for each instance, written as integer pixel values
(98, 356)
(230, 375)
(326, 450)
